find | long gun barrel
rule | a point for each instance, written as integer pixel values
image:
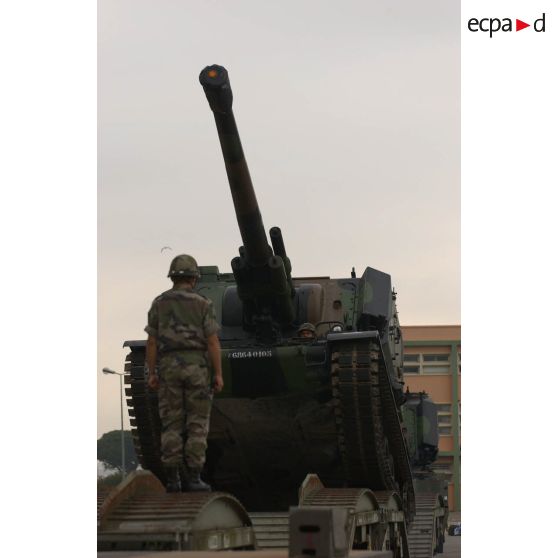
(215, 82)
(263, 275)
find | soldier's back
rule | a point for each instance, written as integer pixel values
(181, 317)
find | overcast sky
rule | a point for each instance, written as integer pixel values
(349, 118)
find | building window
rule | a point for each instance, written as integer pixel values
(427, 363)
(431, 369)
(435, 363)
(444, 407)
(444, 418)
(436, 358)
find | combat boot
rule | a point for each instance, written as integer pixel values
(195, 483)
(184, 476)
(173, 479)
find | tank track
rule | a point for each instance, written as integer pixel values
(144, 413)
(425, 535)
(369, 433)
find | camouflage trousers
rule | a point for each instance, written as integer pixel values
(184, 408)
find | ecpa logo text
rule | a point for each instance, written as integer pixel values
(494, 24)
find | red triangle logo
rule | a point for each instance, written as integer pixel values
(519, 25)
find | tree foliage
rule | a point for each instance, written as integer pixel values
(110, 480)
(109, 450)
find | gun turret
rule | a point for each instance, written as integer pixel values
(263, 275)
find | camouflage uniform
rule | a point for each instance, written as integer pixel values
(181, 321)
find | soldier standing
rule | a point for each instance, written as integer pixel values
(182, 333)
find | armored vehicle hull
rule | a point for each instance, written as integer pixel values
(293, 406)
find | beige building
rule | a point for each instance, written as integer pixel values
(433, 364)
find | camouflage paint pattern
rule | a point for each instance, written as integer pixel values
(181, 321)
(274, 421)
(249, 366)
(301, 373)
(184, 409)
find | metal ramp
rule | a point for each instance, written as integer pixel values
(138, 514)
(271, 529)
(366, 524)
(394, 522)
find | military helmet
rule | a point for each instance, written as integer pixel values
(184, 266)
(308, 326)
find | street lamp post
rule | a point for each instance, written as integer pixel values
(109, 371)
